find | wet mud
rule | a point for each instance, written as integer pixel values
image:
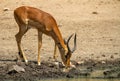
(49, 69)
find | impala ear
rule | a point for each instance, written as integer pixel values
(65, 41)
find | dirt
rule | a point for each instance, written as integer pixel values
(48, 69)
(96, 22)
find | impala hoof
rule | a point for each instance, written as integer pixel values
(26, 61)
(39, 63)
(72, 65)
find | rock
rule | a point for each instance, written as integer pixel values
(15, 69)
(80, 62)
(6, 9)
(103, 62)
(94, 12)
(56, 63)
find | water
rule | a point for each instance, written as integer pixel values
(81, 79)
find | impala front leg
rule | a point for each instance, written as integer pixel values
(39, 46)
(55, 53)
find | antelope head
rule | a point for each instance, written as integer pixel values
(68, 54)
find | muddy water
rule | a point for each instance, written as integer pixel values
(81, 79)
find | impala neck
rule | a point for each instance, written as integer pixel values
(59, 40)
(62, 47)
(63, 51)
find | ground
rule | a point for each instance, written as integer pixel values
(96, 22)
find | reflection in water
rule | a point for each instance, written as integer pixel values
(81, 79)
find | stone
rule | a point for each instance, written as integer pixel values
(6, 9)
(15, 69)
(80, 62)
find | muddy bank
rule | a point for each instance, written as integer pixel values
(90, 68)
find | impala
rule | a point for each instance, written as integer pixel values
(30, 17)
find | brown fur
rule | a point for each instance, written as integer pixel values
(29, 17)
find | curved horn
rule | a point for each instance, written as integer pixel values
(74, 44)
(74, 48)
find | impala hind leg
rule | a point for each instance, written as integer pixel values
(39, 46)
(22, 31)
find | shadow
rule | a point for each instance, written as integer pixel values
(8, 60)
(16, 60)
